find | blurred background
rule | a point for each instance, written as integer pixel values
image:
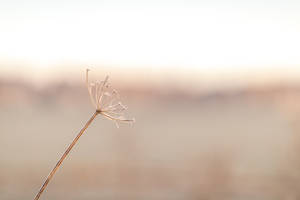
(214, 87)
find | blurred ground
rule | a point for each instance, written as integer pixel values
(230, 144)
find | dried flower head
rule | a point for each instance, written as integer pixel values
(106, 100)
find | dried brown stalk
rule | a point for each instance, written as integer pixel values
(105, 103)
(65, 155)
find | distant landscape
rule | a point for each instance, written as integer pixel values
(224, 144)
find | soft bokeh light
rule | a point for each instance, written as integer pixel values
(158, 34)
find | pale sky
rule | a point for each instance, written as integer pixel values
(216, 34)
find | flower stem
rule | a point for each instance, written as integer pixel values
(58, 164)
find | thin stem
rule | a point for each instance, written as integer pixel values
(65, 155)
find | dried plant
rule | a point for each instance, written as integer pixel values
(107, 103)
(106, 100)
